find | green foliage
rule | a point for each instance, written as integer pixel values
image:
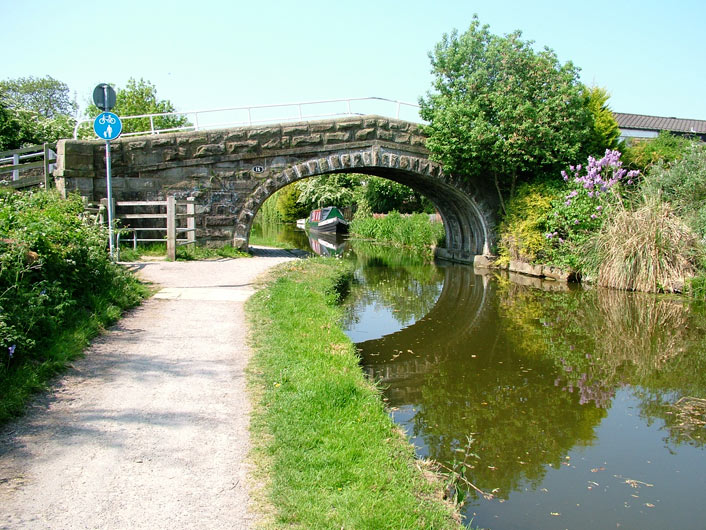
(34, 111)
(605, 131)
(502, 110)
(136, 99)
(383, 196)
(682, 183)
(665, 148)
(55, 275)
(46, 97)
(374, 194)
(289, 207)
(523, 230)
(12, 135)
(415, 230)
(337, 189)
(331, 455)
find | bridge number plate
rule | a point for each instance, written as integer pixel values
(258, 169)
(107, 126)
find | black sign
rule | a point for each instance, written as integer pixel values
(258, 169)
(104, 97)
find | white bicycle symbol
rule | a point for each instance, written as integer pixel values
(106, 118)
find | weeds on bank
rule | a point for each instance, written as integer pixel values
(184, 253)
(58, 288)
(333, 457)
(415, 230)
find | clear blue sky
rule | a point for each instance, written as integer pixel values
(217, 53)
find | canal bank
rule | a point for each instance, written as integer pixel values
(327, 452)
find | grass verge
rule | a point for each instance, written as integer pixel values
(331, 455)
(183, 253)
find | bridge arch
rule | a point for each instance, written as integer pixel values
(465, 210)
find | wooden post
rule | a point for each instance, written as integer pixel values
(46, 166)
(102, 212)
(15, 162)
(191, 220)
(171, 228)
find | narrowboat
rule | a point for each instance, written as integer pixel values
(327, 220)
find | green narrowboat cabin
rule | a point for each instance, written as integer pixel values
(327, 220)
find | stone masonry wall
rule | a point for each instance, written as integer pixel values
(220, 168)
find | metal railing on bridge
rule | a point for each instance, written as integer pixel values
(275, 113)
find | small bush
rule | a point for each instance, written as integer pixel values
(523, 228)
(665, 149)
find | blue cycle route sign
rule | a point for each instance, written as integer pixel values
(107, 126)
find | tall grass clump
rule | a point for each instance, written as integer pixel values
(646, 248)
(415, 230)
(325, 448)
(57, 288)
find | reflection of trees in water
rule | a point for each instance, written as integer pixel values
(600, 339)
(520, 423)
(282, 233)
(387, 277)
(463, 377)
(529, 374)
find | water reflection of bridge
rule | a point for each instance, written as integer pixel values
(396, 360)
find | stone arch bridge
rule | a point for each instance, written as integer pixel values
(231, 172)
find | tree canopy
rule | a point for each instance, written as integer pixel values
(45, 96)
(605, 131)
(33, 111)
(500, 109)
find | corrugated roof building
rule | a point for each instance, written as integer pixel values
(641, 126)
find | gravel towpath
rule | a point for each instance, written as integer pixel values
(150, 429)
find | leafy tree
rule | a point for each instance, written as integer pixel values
(383, 196)
(136, 99)
(499, 109)
(337, 189)
(46, 96)
(288, 205)
(34, 111)
(11, 134)
(605, 133)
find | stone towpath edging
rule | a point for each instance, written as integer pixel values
(150, 429)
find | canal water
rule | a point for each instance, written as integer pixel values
(556, 407)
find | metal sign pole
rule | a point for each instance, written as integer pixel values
(110, 198)
(108, 126)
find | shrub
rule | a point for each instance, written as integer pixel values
(683, 183)
(665, 148)
(54, 271)
(523, 228)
